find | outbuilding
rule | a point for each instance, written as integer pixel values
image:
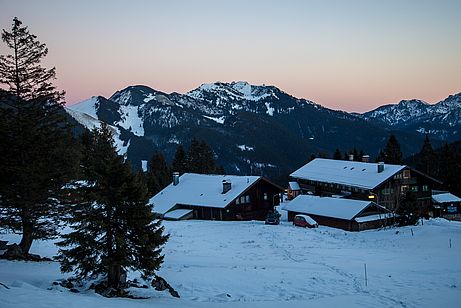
(346, 214)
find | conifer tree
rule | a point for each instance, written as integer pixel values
(179, 163)
(392, 153)
(337, 155)
(158, 174)
(113, 230)
(200, 158)
(38, 154)
(426, 159)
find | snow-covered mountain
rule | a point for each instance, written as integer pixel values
(281, 130)
(399, 113)
(441, 120)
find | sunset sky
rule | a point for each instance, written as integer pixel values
(350, 55)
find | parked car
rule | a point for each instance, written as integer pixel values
(305, 221)
(273, 218)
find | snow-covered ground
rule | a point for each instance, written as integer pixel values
(249, 264)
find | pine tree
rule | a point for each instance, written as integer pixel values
(38, 154)
(200, 158)
(158, 174)
(113, 230)
(392, 152)
(179, 163)
(426, 159)
(337, 155)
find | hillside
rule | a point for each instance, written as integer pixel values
(252, 129)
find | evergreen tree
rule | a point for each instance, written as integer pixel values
(179, 163)
(200, 158)
(392, 152)
(426, 159)
(408, 211)
(38, 154)
(113, 230)
(158, 174)
(356, 154)
(337, 155)
(448, 169)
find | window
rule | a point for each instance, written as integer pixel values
(247, 199)
(406, 174)
(265, 196)
(425, 187)
(242, 199)
(404, 188)
(237, 201)
(414, 188)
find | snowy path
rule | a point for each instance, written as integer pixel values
(249, 264)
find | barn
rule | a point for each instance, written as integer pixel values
(216, 197)
(346, 214)
(446, 205)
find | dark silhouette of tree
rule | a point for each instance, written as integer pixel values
(392, 153)
(179, 163)
(337, 155)
(158, 173)
(113, 228)
(427, 158)
(200, 158)
(38, 154)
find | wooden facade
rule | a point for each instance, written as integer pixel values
(252, 204)
(389, 194)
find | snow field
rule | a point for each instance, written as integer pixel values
(249, 264)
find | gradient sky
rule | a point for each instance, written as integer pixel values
(351, 55)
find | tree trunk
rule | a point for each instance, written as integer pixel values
(26, 240)
(114, 275)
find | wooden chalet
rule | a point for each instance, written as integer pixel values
(385, 184)
(346, 214)
(216, 197)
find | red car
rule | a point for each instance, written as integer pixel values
(305, 221)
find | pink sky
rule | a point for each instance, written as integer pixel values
(349, 55)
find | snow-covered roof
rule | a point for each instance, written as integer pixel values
(350, 173)
(326, 206)
(177, 214)
(294, 186)
(445, 197)
(201, 190)
(373, 217)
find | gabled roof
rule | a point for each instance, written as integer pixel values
(445, 197)
(329, 207)
(201, 190)
(350, 173)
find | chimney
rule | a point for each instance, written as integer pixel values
(175, 178)
(351, 157)
(226, 186)
(380, 167)
(365, 158)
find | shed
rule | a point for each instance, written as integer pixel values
(346, 214)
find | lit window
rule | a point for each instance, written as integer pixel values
(406, 174)
(265, 196)
(425, 188)
(414, 188)
(404, 188)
